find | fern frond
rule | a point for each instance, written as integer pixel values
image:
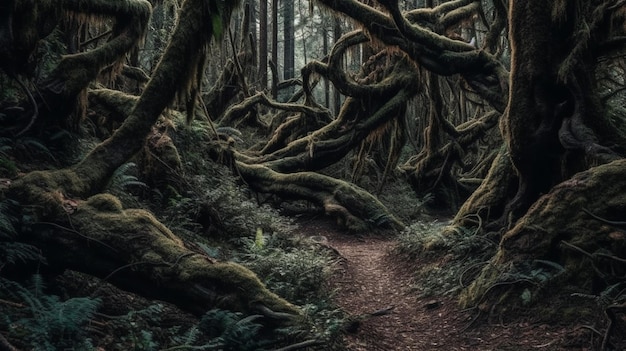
(52, 324)
(33, 145)
(8, 219)
(120, 179)
(5, 146)
(13, 252)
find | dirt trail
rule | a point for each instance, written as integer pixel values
(370, 279)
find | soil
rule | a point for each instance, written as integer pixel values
(371, 279)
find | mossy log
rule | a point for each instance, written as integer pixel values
(133, 250)
(569, 225)
(353, 207)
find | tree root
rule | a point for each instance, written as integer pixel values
(557, 217)
(352, 206)
(131, 248)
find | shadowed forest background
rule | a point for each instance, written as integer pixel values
(158, 160)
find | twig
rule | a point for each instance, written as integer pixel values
(609, 311)
(77, 233)
(11, 303)
(614, 223)
(301, 345)
(33, 118)
(97, 37)
(5, 345)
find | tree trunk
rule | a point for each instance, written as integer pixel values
(275, 49)
(336, 35)
(263, 44)
(551, 127)
(289, 49)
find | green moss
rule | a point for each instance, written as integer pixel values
(557, 233)
(488, 201)
(105, 203)
(158, 255)
(477, 292)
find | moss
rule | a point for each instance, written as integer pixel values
(47, 190)
(157, 258)
(353, 206)
(132, 16)
(476, 293)
(488, 201)
(234, 279)
(557, 229)
(105, 203)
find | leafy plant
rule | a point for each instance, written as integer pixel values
(13, 252)
(8, 219)
(28, 147)
(231, 330)
(48, 323)
(132, 328)
(298, 274)
(465, 253)
(121, 179)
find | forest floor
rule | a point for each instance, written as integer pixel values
(371, 278)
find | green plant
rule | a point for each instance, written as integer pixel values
(464, 251)
(29, 147)
(8, 168)
(47, 323)
(13, 252)
(232, 331)
(298, 274)
(133, 331)
(8, 219)
(121, 179)
(5, 144)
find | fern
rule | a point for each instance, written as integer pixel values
(8, 219)
(120, 179)
(32, 146)
(232, 332)
(12, 253)
(51, 324)
(5, 146)
(607, 296)
(187, 340)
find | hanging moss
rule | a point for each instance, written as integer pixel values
(188, 44)
(76, 71)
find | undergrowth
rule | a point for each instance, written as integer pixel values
(452, 256)
(45, 322)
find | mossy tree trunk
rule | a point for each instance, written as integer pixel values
(564, 150)
(130, 247)
(554, 192)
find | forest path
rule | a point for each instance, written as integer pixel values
(369, 278)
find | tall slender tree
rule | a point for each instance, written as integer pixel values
(263, 43)
(336, 35)
(274, 48)
(288, 28)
